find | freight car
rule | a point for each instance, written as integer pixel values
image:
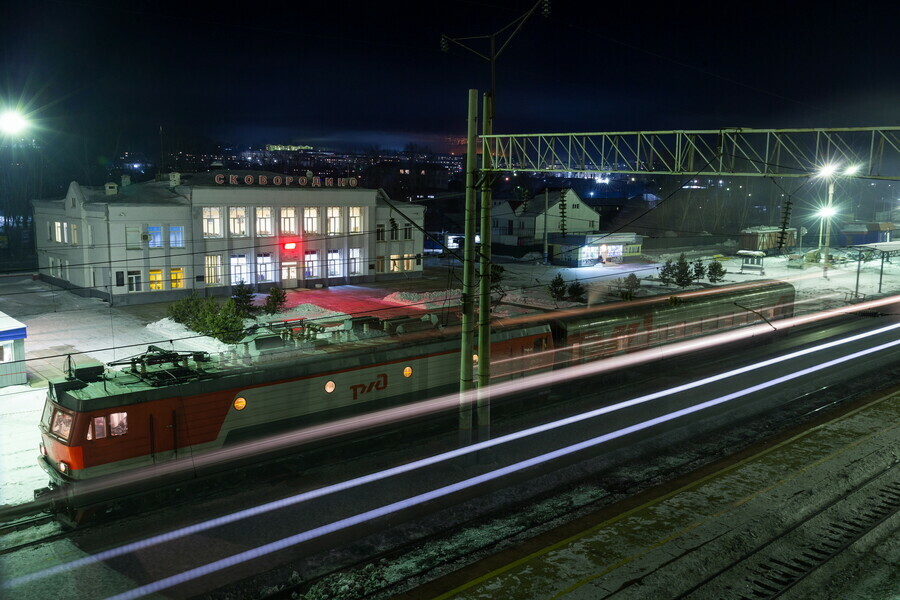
(168, 405)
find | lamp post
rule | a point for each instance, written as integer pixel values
(829, 172)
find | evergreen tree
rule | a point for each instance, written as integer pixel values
(185, 310)
(204, 318)
(716, 272)
(683, 275)
(632, 283)
(699, 270)
(667, 273)
(275, 301)
(242, 294)
(227, 325)
(557, 287)
(577, 292)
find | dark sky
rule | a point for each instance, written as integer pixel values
(357, 74)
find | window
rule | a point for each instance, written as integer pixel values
(289, 220)
(99, 428)
(176, 236)
(237, 220)
(213, 268)
(408, 261)
(355, 219)
(407, 231)
(379, 264)
(118, 423)
(311, 219)
(176, 278)
(61, 424)
(6, 352)
(311, 263)
(353, 264)
(379, 232)
(212, 222)
(49, 231)
(57, 231)
(134, 281)
(65, 233)
(395, 263)
(155, 234)
(265, 268)
(156, 280)
(334, 263)
(394, 234)
(288, 270)
(240, 273)
(90, 235)
(264, 223)
(132, 238)
(334, 220)
(74, 234)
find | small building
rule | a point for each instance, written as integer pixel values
(763, 238)
(12, 351)
(587, 250)
(520, 223)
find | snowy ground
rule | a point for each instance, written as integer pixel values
(59, 322)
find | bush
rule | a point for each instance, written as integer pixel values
(275, 301)
(716, 272)
(557, 287)
(242, 294)
(227, 324)
(577, 292)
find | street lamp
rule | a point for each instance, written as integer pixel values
(12, 123)
(830, 172)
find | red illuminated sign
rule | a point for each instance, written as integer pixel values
(290, 246)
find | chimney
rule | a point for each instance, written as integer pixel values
(174, 179)
(126, 180)
(111, 189)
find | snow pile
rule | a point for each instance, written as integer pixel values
(425, 300)
(186, 339)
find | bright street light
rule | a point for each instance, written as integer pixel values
(12, 123)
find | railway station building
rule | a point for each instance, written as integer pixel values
(206, 232)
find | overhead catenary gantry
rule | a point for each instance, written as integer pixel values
(713, 152)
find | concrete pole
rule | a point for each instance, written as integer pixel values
(466, 381)
(546, 209)
(484, 283)
(828, 228)
(858, 267)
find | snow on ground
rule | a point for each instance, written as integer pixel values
(59, 322)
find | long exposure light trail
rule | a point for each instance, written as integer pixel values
(473, 481)
(546, 378)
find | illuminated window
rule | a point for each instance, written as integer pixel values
(99, 427)
(379, 264)
(265, 268)
(176, 236)
(156, 279)
(74, 234)
(354, 262)
(408, 261)
(176, 278)
(118, 423)
(355, 219)
(264, 221)
(311, 263)
(311, 219)
(237, 220)
(213, 269)
(288, 219)
(395, 263)
(334, 263)
(334, 220)
(240, 270)
(65, 233)
(62, 424)
(212, 222)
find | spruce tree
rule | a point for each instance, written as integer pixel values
(667, 273)
(275, 301)
(683, 275)
(632, 283)
(716, 272)
(577, 292)
(557, 287)
(699, 270)
(242, 294)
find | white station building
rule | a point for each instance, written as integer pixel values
(161, 240)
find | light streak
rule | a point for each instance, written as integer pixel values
(432, 460)
(388, 509)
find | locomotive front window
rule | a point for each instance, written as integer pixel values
(48, 412)
(118, 423)
(62, 424)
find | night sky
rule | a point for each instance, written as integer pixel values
(354, 75)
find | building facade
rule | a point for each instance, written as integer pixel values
(12, 351)
(523, 223)
(207, 232)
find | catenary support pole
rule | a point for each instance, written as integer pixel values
(466, 380)
(484, 287)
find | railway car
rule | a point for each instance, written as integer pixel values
(167, 405)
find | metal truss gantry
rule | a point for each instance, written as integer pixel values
(715, 152)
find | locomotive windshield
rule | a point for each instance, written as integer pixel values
(61, 424)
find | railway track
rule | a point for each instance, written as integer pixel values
(778, 565)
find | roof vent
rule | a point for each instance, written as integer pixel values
(174, 179)
(111, 189)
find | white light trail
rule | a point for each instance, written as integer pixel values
(579, 371)
(471, 482)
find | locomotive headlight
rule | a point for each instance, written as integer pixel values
(63, 467)
(42, 449)
(240, 403)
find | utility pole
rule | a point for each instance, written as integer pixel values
(484, 295)
(466, 380)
